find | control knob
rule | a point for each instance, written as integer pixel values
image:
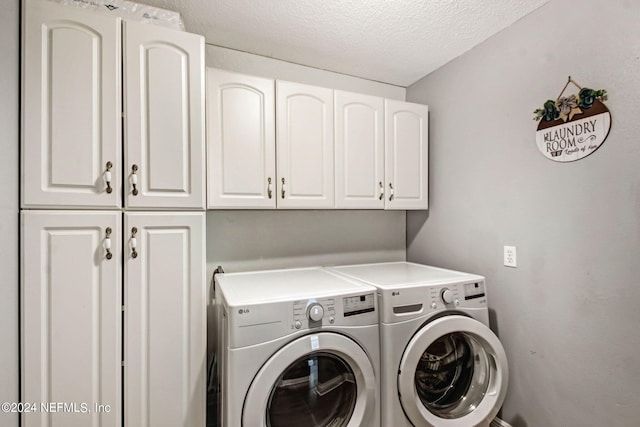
(315, 312)
(447, 296)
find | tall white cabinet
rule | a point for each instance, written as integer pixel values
(164, 118)
(72, 108)
(113, 228)
(72, 315)
(165, 344)
(77, 106)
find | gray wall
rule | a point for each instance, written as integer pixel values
(247, 63)
(9, 137)
(568, 316)
(255, 240)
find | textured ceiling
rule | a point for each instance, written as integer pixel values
(391, 41)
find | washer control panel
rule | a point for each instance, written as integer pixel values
(310, 312)
(343, 310)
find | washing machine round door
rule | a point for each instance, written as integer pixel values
(318, 380)
(453, 373)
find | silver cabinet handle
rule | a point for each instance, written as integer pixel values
(390, 192)
(283, 188)
(134, 179)
(134, 242)
(107, 243)
(107, 177)
(269, 188)
(381, 190)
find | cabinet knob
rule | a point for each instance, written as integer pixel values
(269, 188)
(107, 177)
(134, 179)
(283, 188)
(381, 190)
(134, 242)
(107, 243)
(390, 191)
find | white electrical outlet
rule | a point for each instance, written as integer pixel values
(510, 259)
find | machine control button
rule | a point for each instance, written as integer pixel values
(434, 305)
(457, 302)
(315, 312)
(447, 296)
(332, 320)
(298, 324)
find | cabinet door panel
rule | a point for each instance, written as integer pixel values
(407, 155)
(164, 115)
(72, 106)
(304, 129)
(359, 142)
(71, 316)
(165, 366)
(241, 141)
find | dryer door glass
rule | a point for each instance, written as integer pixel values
(452, 375)
(317, 390)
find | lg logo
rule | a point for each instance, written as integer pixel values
(395, 293)
(243, 311)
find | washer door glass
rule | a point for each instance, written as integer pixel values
(317, 390)
(451, 378)
(453, 373)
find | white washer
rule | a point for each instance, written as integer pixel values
(298, 348)
(441, 365)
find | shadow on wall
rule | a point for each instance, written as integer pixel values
(493, 322)
(415, 222)
(518, 422)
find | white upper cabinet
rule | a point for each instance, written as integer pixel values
(241, 141)
(406, 155)
(305, 153)
(359, 145)
(164, 117)
(73, 112)
(328, 149)
(72, 316)
(71, 117)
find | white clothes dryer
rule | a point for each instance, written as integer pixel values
(298, 347)
(441, 365)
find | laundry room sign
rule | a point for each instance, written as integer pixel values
(573, 126)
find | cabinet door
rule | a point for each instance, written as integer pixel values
(71, 117)
(165, 319)
(359, 141)
(406, 155)
(304, 134)
(71, 317)
(241, 141)
(164, 117)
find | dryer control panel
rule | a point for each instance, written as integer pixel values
(401, 304)
(456, 295)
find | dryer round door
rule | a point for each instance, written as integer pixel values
(318, 380)
(453, 373)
